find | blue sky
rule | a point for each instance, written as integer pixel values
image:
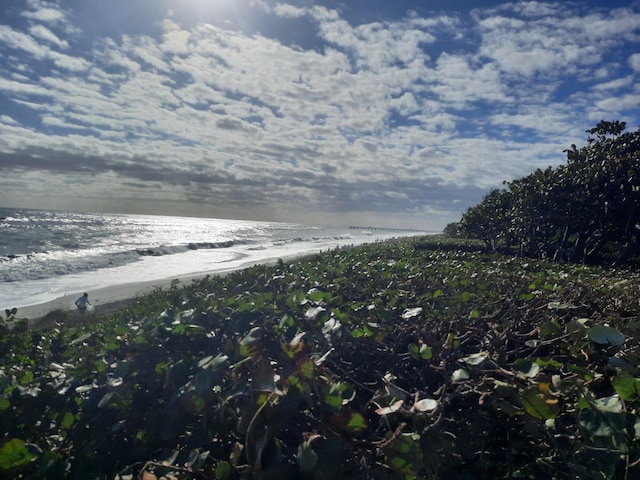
(399, 113)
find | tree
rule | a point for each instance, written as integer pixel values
(490, 220)
(585, 211)
(452, 230)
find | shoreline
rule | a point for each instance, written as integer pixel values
(109, 299)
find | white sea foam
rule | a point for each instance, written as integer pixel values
(46, 255)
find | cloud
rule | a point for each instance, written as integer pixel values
(42, 32)
(557, 41)
(289, 11)
(403, 118)
(16, 40)
(44, 12)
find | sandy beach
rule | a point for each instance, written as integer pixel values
(112, 298)
(102, 300)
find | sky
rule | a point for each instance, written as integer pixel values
(354, 112)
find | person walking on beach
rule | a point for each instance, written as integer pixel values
(83, 302)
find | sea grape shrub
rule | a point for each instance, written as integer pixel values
(585, 211)
(398, 359)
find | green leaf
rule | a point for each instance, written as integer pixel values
(223, 470)
(404, 454)
(27, 377)
(4, 404)
(252, 337)
(536, 405)
(411, 312)
(548, 363)
(459, 375)
(204, 361)
(559, 306)
(357, 423)
(357, 333)
(603, 334)
(333, 401)
(420, 352)
(205, 380)
(306, 458)
(583, 404)
(318, 314)
(213, 363)
(526, 367)
(317, 296)
(84, 388)
(475, 359)
(626, 386)
(104, 401)
(587, 374)
(295, 346)
(452, 342)
(80, 339)
(14, 453)
(550, 330)
(306, 368)
(101, 365)
(606, 424)
(608, 404)
(197, 459)
(67, 420)
(264, 377)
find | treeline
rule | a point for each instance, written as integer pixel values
(585, 211)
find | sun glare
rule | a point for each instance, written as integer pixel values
(206, 6)
(211, 11)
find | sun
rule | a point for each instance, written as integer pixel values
(206, 7)
(212, 11)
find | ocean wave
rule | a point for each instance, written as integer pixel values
(337, 238)
(41, 265)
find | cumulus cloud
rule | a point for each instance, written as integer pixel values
(289, 11)
(407, 117)
(46, 12)
(42, 32)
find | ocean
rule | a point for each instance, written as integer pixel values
(45, 255)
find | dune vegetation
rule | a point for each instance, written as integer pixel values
(413, 358)
(584, 211)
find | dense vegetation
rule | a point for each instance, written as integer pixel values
(405, 359)
(585, 211)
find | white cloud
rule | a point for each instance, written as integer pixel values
(176, 40)
(43, 13)
(7, 120)
(69, 62)
(616, 84)
(289, 11)
(613, 105)
(457, 83)
(21, 41)
(414, 115)
(47, 35)
(21, 88)
(554, 44)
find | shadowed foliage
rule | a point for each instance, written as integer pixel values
(586, 211)
(403, 359)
